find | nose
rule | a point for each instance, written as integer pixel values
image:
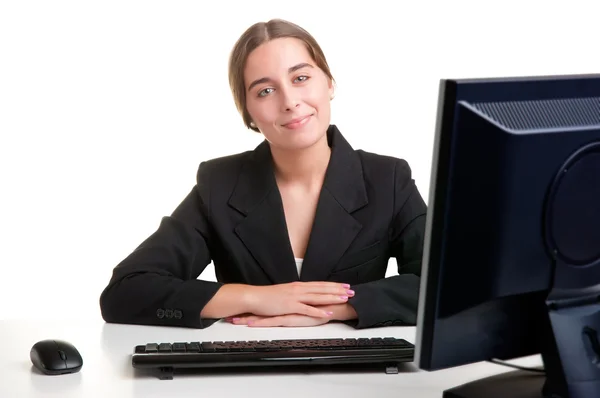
(289, 100)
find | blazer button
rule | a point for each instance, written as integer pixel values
(177, 314)
(160, 313)
(169, 313)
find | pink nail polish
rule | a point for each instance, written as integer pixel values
(350, 292)
(344, 297)
(346, 286)
(235, 319)
(329, 312)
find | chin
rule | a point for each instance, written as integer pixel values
(306, 142)
(295, 143)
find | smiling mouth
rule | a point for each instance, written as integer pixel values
(297, 122)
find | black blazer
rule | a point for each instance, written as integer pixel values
(369, 210)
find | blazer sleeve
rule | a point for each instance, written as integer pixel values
(394, 300)
(157, 283)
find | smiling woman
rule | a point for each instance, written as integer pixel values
(300, 229)
(302, 91)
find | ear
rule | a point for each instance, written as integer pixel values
(331, 89)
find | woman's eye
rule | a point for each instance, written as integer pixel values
(267, 91)
(264, 92)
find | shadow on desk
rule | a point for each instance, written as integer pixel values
(39, 381)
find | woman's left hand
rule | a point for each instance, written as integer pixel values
(341, 312)
(290, 320)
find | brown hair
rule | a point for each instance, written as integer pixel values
(253, 37)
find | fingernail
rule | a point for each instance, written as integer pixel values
(329, 312)
(250, 322)
(346, 286)
(235, 319)
(350, 292)
(344, 297)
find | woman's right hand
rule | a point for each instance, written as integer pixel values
(296, 298)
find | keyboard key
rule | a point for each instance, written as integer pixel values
(178, 347)
(164, 347)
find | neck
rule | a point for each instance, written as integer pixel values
(307, 166)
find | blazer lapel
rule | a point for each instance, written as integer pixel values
(334, 227)
(264, 230)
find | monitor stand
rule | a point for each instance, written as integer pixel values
(513, 384)
(570, 342)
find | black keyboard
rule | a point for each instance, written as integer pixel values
(167, 357)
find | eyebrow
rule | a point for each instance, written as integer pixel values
(290, 70)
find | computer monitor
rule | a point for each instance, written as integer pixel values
(511, 266)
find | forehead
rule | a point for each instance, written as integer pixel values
(275, 57)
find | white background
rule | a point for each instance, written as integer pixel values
(107, 108)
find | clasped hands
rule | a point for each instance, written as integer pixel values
(296, 304)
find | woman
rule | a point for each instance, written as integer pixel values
(300, 230)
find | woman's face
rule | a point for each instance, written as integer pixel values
(287, 94)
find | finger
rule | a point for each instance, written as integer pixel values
(323, 299)
(245, 319)
(308, 310)
(268, 322)
(231, 317)
(325, 288)
(239, 320)
(326, 284)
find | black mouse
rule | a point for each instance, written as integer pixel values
(55, 357)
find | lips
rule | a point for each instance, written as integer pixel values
(297, 122)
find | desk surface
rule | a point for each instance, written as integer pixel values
(107, 370)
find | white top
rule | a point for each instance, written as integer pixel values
(299, 264)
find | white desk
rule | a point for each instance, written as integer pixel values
(107, 370)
